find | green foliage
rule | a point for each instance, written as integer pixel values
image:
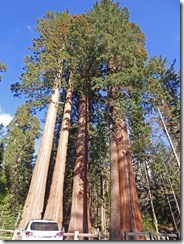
(125, 58)
(164, 92)
(18, 154)
(1, 144)
(9, 220)
(2, 68)
(41, 68)
(99, 170)
(68, 183)
(148, 223)
(3, 180)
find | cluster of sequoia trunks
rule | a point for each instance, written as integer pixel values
(125, 212)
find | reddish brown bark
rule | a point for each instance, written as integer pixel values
(54, 208)
(33, 208)
(123, 186)
(114, 173)
(130, 216)
(79, 218)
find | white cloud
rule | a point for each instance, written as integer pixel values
(29, 28)
(5, 118)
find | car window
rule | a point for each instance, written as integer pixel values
(44, 226)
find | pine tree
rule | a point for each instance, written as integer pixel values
(18, 155)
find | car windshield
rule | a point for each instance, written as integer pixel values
(44, 226)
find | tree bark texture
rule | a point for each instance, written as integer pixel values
(124, 190)
(54, 207)
(79, 219)
(130, 216)
(33, 208)
(114, 174)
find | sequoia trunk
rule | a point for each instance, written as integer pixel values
(54, 207)
(130, 216)
(33, 208)
(79, 209)
(115, 205)
(123, 187)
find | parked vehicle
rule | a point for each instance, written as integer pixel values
(41, 230)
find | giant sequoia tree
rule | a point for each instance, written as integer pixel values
(124, 61)
(79, 217)
(44, 69)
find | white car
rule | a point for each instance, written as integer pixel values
(41, 230)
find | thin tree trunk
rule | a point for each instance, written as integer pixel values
(95, 203)
(17, 219)
(173, 217)
(170, 207)
(172, 189)
(169, 138)
(54, 207)
(79, 219)
(130, 216)
(151, 198)
(103, 205)
(33, 208)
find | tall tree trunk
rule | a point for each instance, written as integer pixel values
(33, 208)
(130, 216)
(121, 162)
(79, 219)
(54, 207)
(115, 205)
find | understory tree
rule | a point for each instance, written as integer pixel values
(18, 156)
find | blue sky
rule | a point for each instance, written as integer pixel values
(158, 19)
